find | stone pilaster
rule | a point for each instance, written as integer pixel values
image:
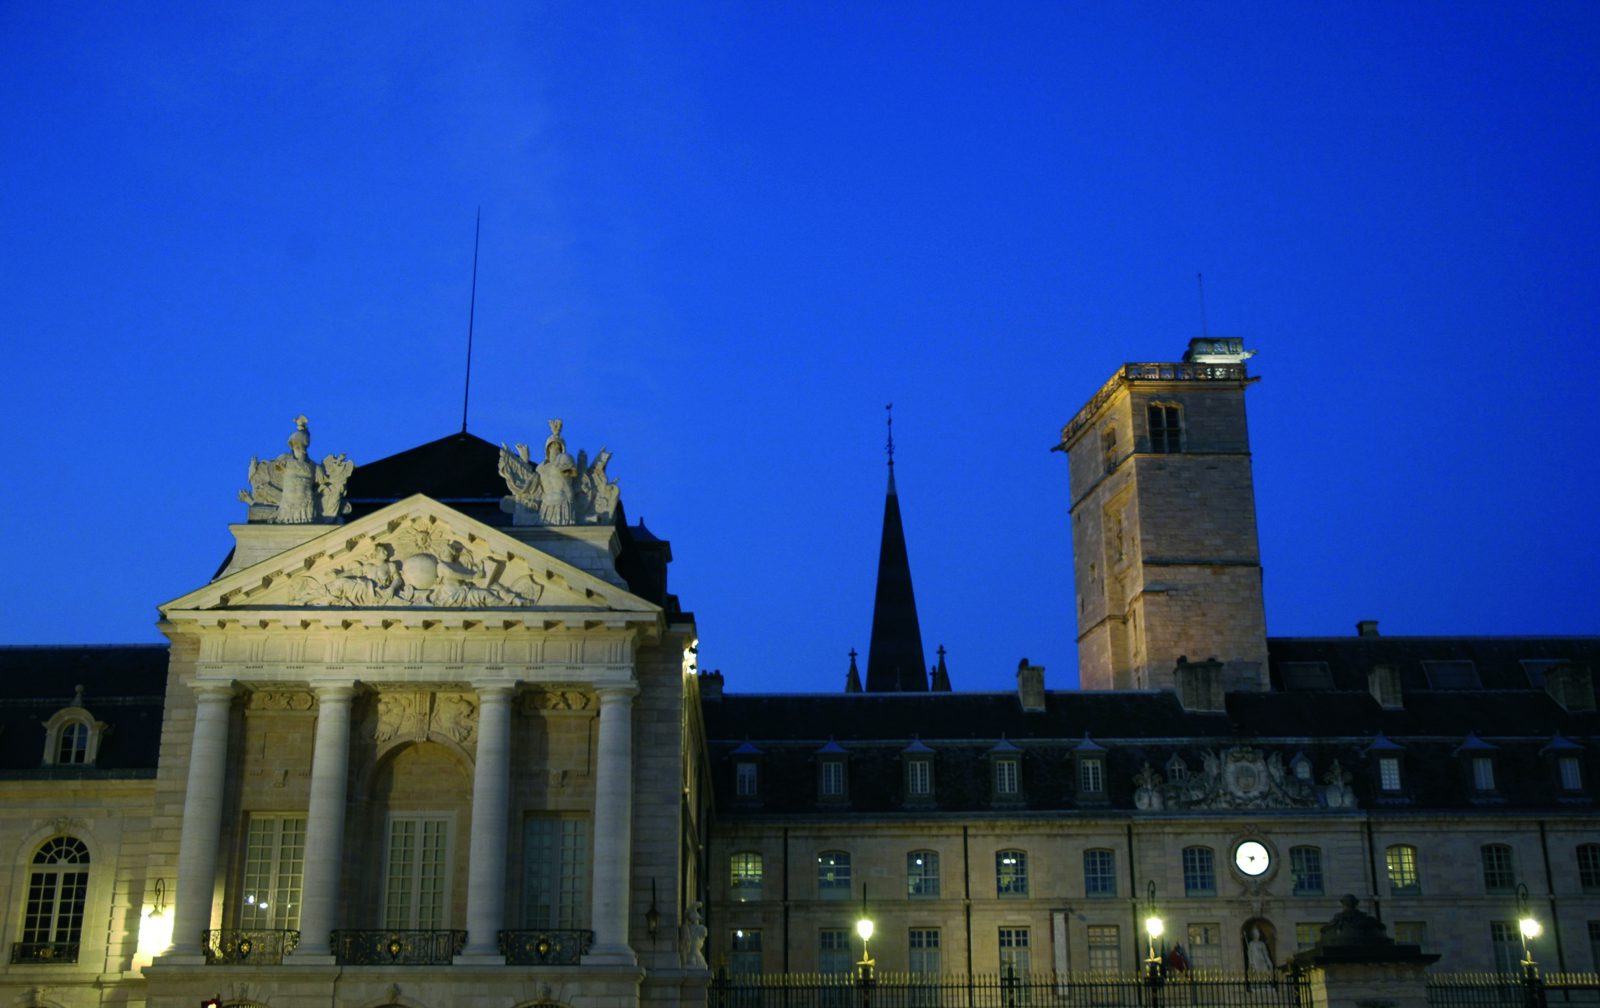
(491, 788)
(330, 761)
(613, 826)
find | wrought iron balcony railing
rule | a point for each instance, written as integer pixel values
(397, 948)
(249, 946)
(544, 948)
(44, 952)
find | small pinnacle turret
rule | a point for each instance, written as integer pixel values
(852, 678)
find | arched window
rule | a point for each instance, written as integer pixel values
(72, 738)
(58, 888)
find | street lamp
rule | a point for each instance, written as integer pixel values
(1528, 926)
(864, 967)
(1154, 926)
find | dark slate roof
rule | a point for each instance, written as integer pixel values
(1139, 727)
(124, 686)
(461, 469)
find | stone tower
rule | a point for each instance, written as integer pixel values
(1164, 524)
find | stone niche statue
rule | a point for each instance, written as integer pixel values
(557, 490)
(293, 490)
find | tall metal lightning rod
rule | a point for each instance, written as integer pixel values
(889, 413)
(472, 311)
(1200, 278)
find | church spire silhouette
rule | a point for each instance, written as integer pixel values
(894, 657)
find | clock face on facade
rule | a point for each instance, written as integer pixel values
(1252, 857)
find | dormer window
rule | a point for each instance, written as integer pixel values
(1387, 760)
(746, 779)
(1384, 683)
(832, 784)
(1389, 773)
(1005, 768)
(1090, 757)
(917, 761)
(72, 736)
(1177, 770)
(1301, 768)
(832, 780)
(1570, 773)
(1006, 777)
(1482, 773)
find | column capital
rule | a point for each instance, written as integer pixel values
(496, 689)
(214, 690)
(344, 689)
(614, 692)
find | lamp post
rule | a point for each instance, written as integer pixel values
(864, 979)
(1529, 928)
(1153, 928)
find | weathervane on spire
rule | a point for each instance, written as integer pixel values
(889, 414)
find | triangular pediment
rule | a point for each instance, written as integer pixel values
(414, 554)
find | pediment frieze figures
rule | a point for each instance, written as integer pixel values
(556, 489)
(1239, 777)
(293, 490)
(423, 563)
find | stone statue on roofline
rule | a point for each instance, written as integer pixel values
(293, 490)
(556, 490)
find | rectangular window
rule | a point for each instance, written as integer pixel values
(924, 951)
(1091, 776)
(1482, 773)
(922, 874)
(555, 872)
(1199, 872)
(745, 870)
(274, 861)
(833, 951)
(1005, 777)
(1594, 944)
(1389, 773)
(1411, 932)
(744, 952)
(1166, 431)
(1589, 867)
(1306, 936)
(1570, 773)
(744, 780)
(1099, 873)
(1305, 864)
(1015, 958)
(1011, 873)
(1401, 862)
(1507, 945)
(833, 779)
(1499, 873)
(1105, 948)
(417, 876)
(1384, 682)
(1205, 946)
(919, 778)
(833, 875)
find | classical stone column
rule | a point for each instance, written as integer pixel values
(202, 822)
(324, 852)
(491, 798)
(613, 825)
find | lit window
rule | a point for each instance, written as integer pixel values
(274, 861)
(58, 889)
(1005, 776)
(833, 950)
(744, 949)
(744, 779)
(1401, 862)
(833, 875)
(1389, 773)
(1091, 776)
(1571, 773)
(745, 871)
(1166, 428)
(1099, 873)
(919, 778)
(833, 778)
(1205, 946)
(1305, 864)
(1482, 773)
(1105, 948)
(1306, 936)
(555, 873)
(922, 874)
(417, 879)
(1015, 958)
(1199, 871)
(1498, 873)
(1589, 868)
(1011, 873)
(924, 951)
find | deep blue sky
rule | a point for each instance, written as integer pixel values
(719, 238)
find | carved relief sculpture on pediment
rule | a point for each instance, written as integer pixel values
(417, 714)
(293, 490)
(1240, 777)
(556, 490)
(422, 562)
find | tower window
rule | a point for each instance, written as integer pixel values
(1166, 428)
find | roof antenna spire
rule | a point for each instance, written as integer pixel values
(1200, 278)
(889, 416)
(472, 311)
